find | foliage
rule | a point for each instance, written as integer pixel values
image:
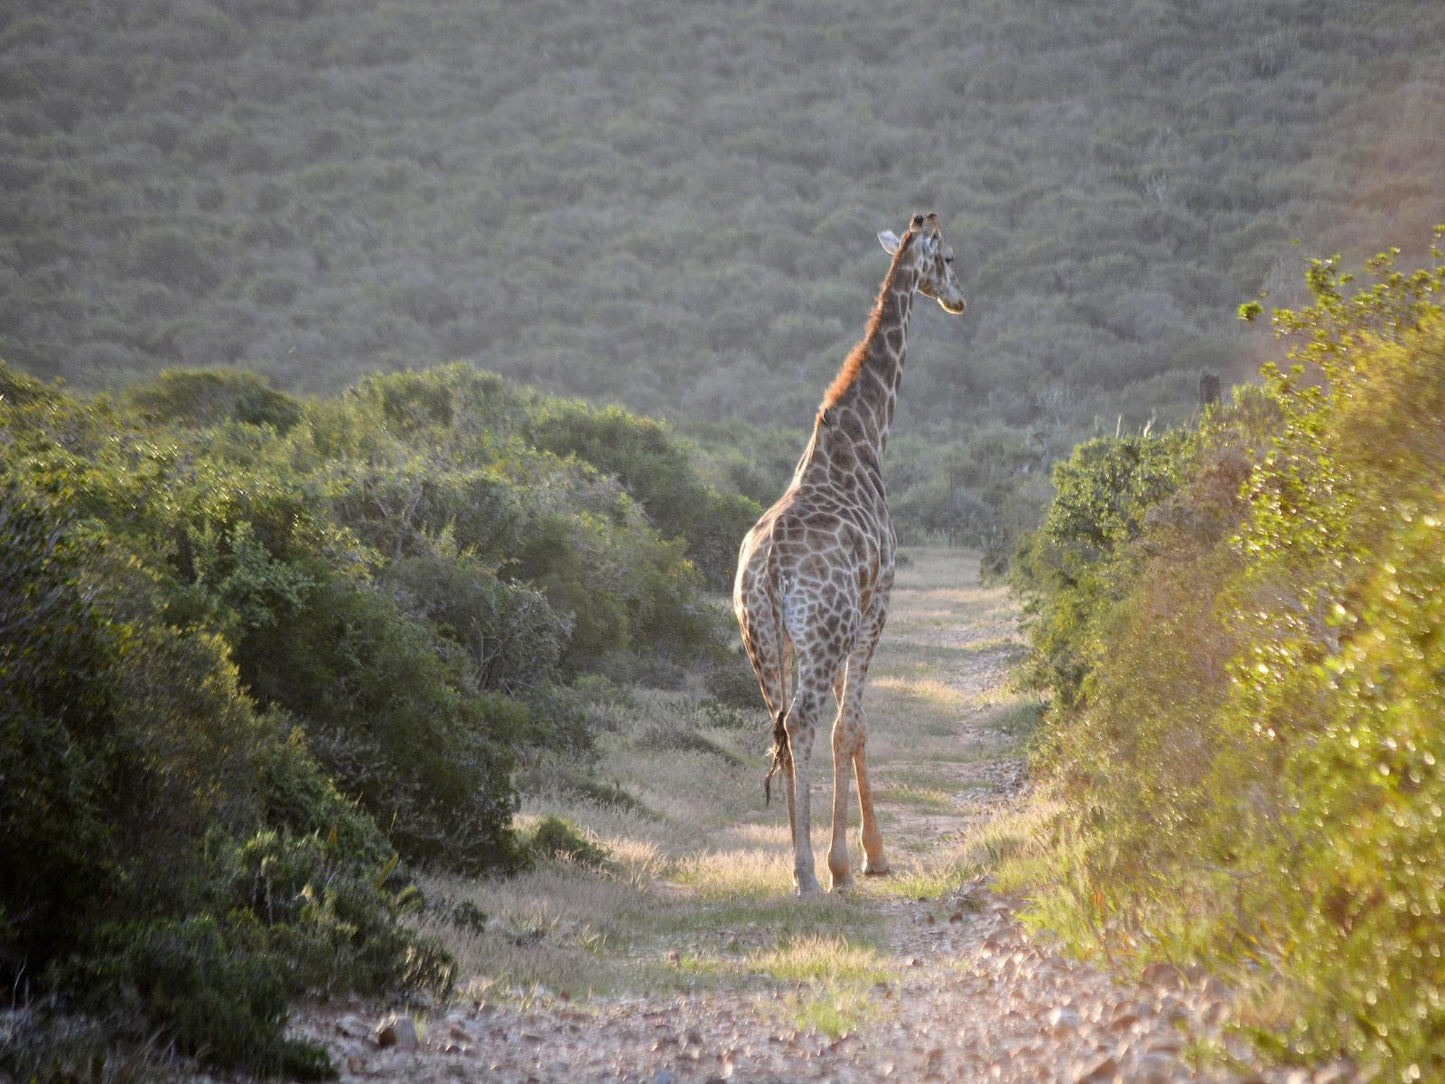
(394, 724)
(215, 999)
(258, 650)
(1080, 559)
(656, 469)
(209, 397)
(555, 838)
(676, 210)
(137, 772)
(1254, 758)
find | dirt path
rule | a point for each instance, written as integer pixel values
(692, 962)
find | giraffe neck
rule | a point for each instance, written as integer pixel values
(868, 383)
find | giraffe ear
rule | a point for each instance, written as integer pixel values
(890, 241)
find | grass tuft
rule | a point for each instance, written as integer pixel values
(821, 958)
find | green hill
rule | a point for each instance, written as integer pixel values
(673, 207)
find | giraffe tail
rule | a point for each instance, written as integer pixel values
(775, 693)
(782, 756)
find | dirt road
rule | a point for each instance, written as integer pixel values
(686, 958)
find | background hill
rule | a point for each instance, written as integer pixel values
(673, 207)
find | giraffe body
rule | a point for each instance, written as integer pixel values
(815, 572)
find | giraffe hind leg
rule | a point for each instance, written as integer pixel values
(875, 862)
(802, 722)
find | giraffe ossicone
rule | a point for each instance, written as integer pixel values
(815, 572)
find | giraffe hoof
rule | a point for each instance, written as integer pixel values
(806, 890)
(880, 870)
(841, 884)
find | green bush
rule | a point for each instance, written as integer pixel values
(656, 469)
(555, 838)
(395, 722)
(257, 651)
(138, 774)
(206, 397)
(332, 924)
(298, 799)
(1371, 785)
(217, 993)
(1249, 741)
(512, 638)
(1080, 559)
(732, 683)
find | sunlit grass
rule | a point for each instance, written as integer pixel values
(737, 874)
(936, 693)
(830, 960)
(1006, 847)
(833, 1013)
(839, 976)
(933, 799)
(929, 880)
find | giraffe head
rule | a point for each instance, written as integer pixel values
(934, 259)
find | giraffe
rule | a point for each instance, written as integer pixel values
(814, 573)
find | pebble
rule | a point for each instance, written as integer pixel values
(398, 1031)
(1063, 1018)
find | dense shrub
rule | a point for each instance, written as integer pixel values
(257, 651)
(1250, 736)
(215, 998)
(136, 771)
(512, 638)
(1080, 559)
(556, 839)
(656, 469)
(394, 723)
(209, 397)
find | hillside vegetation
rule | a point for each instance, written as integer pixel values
(673, 207)
(1244, 628)
(263, 657)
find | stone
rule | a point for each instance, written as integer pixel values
(1098, 1071)
(397, 1031)
(1152, 1069)
(933, 1067)
(1063, 1018)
